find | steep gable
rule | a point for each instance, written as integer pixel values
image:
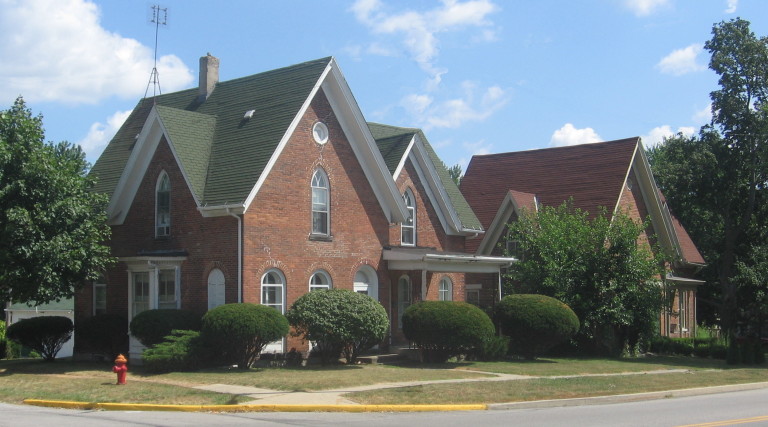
(397, 145)
(226, 143)
(593, 174)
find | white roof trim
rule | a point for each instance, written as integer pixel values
(497, 227)
(427, 260)
(404, 158)
(660, 216)
(138, 162)
(438, 197)
(356, 129)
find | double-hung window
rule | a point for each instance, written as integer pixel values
(408, 228)
(153, 285)
(320, 203)
(163, 206)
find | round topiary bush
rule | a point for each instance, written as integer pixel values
(442, 329)
(339, 321)
(151, 327)
(535, 323)
(103, 333)
(238, 332)
(44, 334)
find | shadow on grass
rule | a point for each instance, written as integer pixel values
(39, 366)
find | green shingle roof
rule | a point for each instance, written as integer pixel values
(221, 153)
(393, 142)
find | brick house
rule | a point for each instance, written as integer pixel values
(263, 188)
(614, 175)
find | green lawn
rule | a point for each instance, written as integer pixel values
(94, 382)
(560, 388)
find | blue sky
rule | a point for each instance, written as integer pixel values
(479, 76)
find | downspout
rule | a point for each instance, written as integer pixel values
(498, 274)
(239, 255)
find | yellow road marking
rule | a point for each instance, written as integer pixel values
(729, 422)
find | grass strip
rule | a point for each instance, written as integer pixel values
(554, 388)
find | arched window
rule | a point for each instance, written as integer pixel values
(216, 288)
(273, 290)
(319, 280)
(403, 297)
(366, 282)
(408, 228)
(320, 203)
(445, 290)
(163, 206)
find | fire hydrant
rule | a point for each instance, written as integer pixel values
(120, 369)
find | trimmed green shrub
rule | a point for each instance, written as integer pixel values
(339, 321)
(535, 323)
(103, 333)
(44, 334)
(238, 332)
(152, 326)
(181, 351)
(443, 329)
(495, 348)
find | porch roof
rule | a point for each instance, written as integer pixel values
(430, 259)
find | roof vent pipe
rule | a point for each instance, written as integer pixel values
(209, 76)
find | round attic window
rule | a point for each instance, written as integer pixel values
(320, 132)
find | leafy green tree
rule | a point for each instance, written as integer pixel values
(597, 266)
(455, 173)
(53, 229)
(716, 181)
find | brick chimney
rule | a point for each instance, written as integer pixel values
(209, 76)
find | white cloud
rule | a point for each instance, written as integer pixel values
(477, 148)
(657, 134)
(100, 134)
(455, 112)
(56, 50)
(570, 135)
(418, 30)
(682, 61)
(644, 7)
(704, 115)
(732, 5)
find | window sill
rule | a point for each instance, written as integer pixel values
(320, 238)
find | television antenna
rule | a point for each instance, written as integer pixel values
(159, 17)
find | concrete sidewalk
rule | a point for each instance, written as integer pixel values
(336, 396)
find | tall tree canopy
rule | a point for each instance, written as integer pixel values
(596, 266)
(52, 228)
(716, 180)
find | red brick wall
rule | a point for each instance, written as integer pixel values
(278, 223)
(209, 242)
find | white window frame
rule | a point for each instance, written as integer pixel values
(366, 282)
(445, 289)
(152, 268)
(409, 225)
(280, 286)
(216, 278)
(321, 186)
(163, 225)
(324, 281)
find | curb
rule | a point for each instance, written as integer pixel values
(625, 398)
(250, 408)
(579, 401)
